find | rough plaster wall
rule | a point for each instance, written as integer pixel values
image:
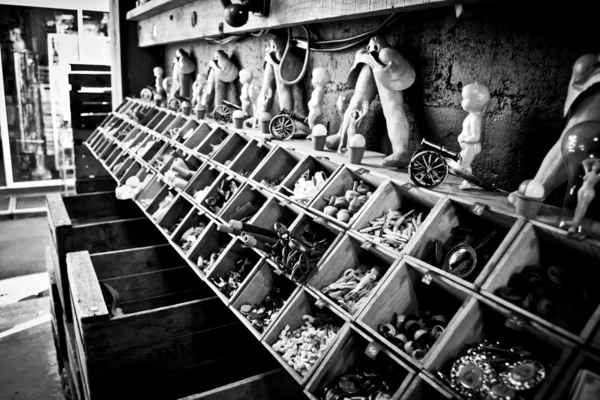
(524, 58)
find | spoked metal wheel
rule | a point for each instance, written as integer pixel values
(174, 104)
(428, 169)
(282, 127)
(222, 114)
(146, 94)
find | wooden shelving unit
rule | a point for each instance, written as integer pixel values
(154, 7)
(475, 314)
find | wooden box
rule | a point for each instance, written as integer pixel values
(151, 190)
(211, 241)
(303, 303)
(95, 222)
(582, 360)
(448, 214)
(392, 196)
(212, 142)
(482, 320)
(312, 165)
(194, 218)
(425, 388)
(551, 246)
(203, 178)
(338, 185)
(197, 137)
(277, 165)
(234, 251)
(215, 189)
(350, 349)
(258, 287)
(171, 322)
(276, 210)
(250, 157)
(230, 150)
(247, 195)
(403, 293)
(349, 253)
(175, 215)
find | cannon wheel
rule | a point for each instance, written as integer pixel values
(222, 114)
(174, 104)
(146, 94)
(282, 127)
(428, 168)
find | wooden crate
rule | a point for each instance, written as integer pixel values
(338, 185)
(260, 283)
(95, 222)
(392, 196)
(276, 210)
(175, 215)
(303, 303)
(225, 177)
(278, 163)
(403, 293)
(198, 136)
(171, 322)
(424, 388)
(312, 165)
(194, 218)
(351, 348)
(448, 214)
(349, 253)
(481, 320)
(551, 246)
(226, 262)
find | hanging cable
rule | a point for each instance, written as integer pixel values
(285, 52)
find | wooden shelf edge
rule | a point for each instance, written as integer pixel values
(154, 7)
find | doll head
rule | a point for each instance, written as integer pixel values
(246, 76)
(158, 72)
(320, 77)
(475, 97)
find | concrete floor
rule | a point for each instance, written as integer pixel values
(28, 364)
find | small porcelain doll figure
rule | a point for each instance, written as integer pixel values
(245, 79)
(158, 82)
(475, 98)
(586, 193)
(320, 78)
(197, 87)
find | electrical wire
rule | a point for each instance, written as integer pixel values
(285, 53)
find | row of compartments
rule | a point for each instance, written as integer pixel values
(440, 218)
(495, 269)
(458, 206)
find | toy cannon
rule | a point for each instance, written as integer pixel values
(222, 113)
(283, 127)
(429, 167)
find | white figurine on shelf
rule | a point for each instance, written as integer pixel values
(586, 193)
(320, 78)
(197, 87)
(245, 79)
(475, 98)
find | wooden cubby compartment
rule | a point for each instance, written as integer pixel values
(258, 287)
(312, 165)
(582, 360)
(338, 185)
(405, 292)
(162, 202)
(278, 163)
(448, 214)
(248, 194)
(549, 246)
(250, 158)
(186, 130)
(163, 126)
(424, 388)
(234, 252)
(152, 124)
(200, 133)
(133, 170)
(194, 218)
(231, 148)
(216, 188)
(149, 116)
(349, 253)
(303, 303)
(350, 350)
(392, 196)
(151, 191)
(212, 142)
(276, 210)
(482, 320)
(150, 149)
(175, 215)
(211, 241)
(163, 156)
(203, 178)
